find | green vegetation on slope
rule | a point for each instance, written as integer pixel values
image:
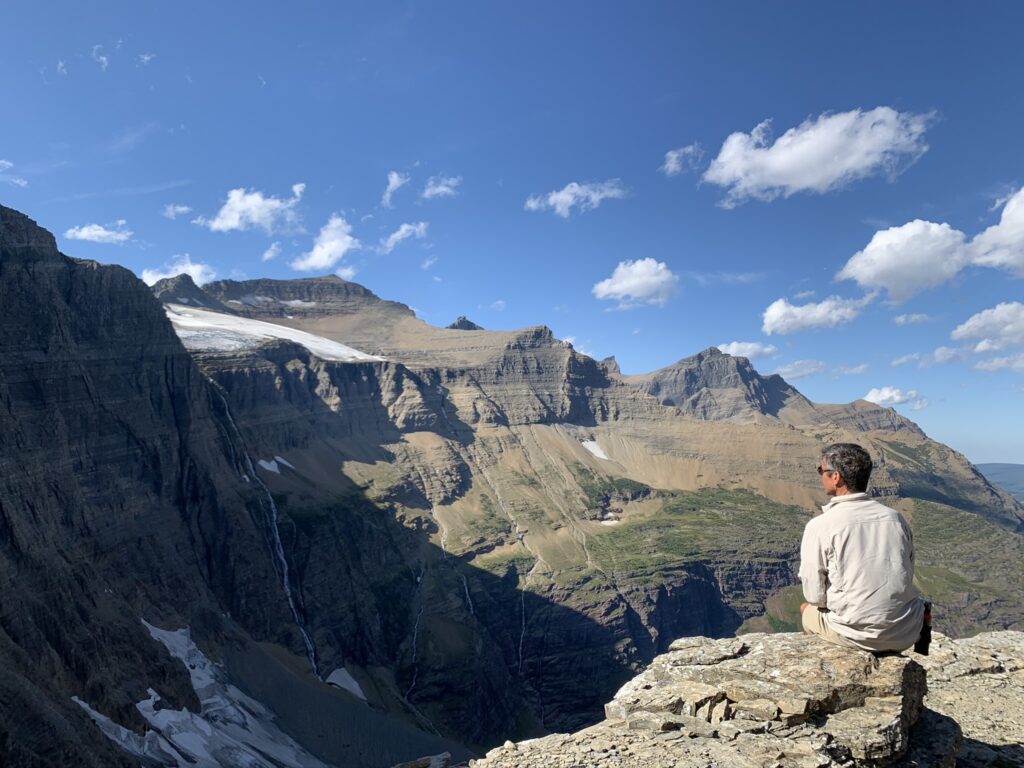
(705, 525)
(967, 562)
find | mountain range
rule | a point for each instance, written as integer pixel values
(373, 539)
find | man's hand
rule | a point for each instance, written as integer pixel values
(802, 607)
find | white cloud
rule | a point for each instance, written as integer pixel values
(172, 211)
(803, 295)
(644, 281)
(680, 160)
(331, 245)
(99, 58)
(62, 67)
(705, 279)
(404, 232)
(346, 273)
(1009, 363)
(586, 197)
(428, 262)
(499, 305)
(919, 255)
(939, 356)
(245, 209)
(799, 369)
(749, 349)
(6, 165)
(890, 396)
(783, 317)
(272, 252)
(911, 319)
(441, 186)
(1002, 244)
(852, 370)
(115, 234)
(905, 359)
(908, 259)
(181, 263)
(145, 58)
(997, 328)
(819, 155)
(396, 181)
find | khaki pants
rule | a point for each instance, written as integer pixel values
(815, 622)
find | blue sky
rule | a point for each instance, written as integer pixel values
(837, 187)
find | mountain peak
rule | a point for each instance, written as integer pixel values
(463, 323)
(18, 232)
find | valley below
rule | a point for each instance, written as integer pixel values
(295, 503)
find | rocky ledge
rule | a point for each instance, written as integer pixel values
(789, 700)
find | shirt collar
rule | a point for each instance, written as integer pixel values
(841, 499)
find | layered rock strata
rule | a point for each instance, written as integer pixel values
(793, 701)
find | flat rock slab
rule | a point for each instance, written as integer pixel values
(757, 700)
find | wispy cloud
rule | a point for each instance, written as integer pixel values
(334, 241)
(271, 253)
(110, 234)
(851, 370)
(819, 155)
(131, 137)
(9, 178)
(681, 160)
(173, 210)
(800, 369)
(911, 319)
(248, 209)
(99, 58)
(180, 264)
(903, 360)
(499, 305)
(644, 281)
(148, 189)
(404, 232)
(585, 197)
(428, 262)
(396, 181)
(62, 68)
(144, 58)
(705, 279)
(441, 186)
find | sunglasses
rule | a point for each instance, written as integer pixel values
(822, 470)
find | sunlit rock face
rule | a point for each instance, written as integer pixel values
(794, 700)
(487, 530)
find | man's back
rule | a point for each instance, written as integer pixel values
(857, 559)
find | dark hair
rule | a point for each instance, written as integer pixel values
(852, 463)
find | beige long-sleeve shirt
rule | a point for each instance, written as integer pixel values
(857, 560)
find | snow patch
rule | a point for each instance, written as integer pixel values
(279, 460)
(270, 466)
(231, 729)
(594, 448)
(299, 303)
(343, 679)
(182, 300)
(610, 522)
(201, 329)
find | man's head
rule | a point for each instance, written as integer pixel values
(844, 468)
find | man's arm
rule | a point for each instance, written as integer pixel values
(813, 568)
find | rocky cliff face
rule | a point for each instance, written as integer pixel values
(126, 494)
(485, 533)
(793, 700)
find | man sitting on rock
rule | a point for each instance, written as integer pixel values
(857, 562)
